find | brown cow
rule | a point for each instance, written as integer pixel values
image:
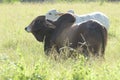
(91, 32)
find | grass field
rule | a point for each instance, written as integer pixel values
(23, 58)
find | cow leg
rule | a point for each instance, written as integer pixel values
(86, 51)
(96, 50)
(47, 48)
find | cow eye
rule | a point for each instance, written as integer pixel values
(50, 13)
(37, 21)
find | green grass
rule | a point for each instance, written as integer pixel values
(23, 58)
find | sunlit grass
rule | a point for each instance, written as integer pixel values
(19, 49)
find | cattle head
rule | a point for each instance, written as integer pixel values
(53, 15)
(39, 28)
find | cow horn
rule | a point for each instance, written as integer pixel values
(50, 24)
(71, 11)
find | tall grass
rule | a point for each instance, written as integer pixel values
(23, 58)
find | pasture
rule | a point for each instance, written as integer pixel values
(23, 58)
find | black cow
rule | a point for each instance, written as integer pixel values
(90, 32)
(91, 36)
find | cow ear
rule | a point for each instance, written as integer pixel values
(50, 24)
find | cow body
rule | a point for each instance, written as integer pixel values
(98, 16)
(90, 32)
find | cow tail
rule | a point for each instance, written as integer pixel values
(103, 33)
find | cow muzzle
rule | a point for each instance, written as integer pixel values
(28, 29)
